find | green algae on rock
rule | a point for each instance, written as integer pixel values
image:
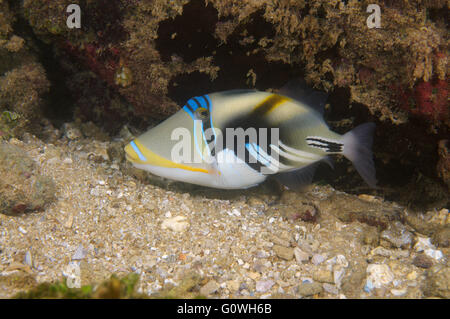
(113, 288)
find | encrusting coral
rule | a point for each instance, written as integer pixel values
(154, 42)
(23, 80)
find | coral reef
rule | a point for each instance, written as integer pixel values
(23, 81)
(21, 95)
(142, 48)
(157, 43)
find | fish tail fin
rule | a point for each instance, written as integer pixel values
(358, 149)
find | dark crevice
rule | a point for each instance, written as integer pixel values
(189, 35)
(59, 103)
(439, 15)
(237, 59)
(104, 18)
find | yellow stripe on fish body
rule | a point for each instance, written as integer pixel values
(142, 155)
(269, 104)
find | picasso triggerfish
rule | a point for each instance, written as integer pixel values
(237, 139)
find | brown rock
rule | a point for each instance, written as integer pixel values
(210, 288)
(283, 252)
(437, 283)
(371, 237)
(441, 237)
(422, 261)
(309, 289)
(397, 236)
(22, 188)
(323, 275)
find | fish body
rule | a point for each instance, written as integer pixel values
(237, 139)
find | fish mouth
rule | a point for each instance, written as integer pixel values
(130, 153)
(129, 158)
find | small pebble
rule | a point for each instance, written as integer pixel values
(434, 253)
(379, 275)
(264, 285)
(318, 259)
(323, 275)
(422, 261)
(399, 292)
(68, 223)
(423, 243)
(211, 287)
(300, 255)
(331, 289)
(283, 252)
(233, 285)
(338, 274)
(176, 224)
(279, 241)
(397, 235)
(253, 275)
(309, 289)
(28, 259)
(261, 254)
(80, 253)
(412, 275)
(73, 275)
(236, 212)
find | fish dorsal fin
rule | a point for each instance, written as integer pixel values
(298, 90)
(237, 92)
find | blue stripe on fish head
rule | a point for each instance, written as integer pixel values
(191, 107)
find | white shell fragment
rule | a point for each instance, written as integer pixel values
(176, 224)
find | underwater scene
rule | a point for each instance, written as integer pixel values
(221, 149)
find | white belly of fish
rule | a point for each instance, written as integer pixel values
(231, 173)
(235, 173)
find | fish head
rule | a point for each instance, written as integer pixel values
(179, 148)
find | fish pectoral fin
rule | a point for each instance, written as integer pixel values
(214, 167)
(299, 178)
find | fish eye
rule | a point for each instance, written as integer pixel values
(202, 113)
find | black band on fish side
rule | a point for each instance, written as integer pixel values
(210, 141)
(328, 146)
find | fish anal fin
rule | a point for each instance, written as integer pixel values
(299, 178)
